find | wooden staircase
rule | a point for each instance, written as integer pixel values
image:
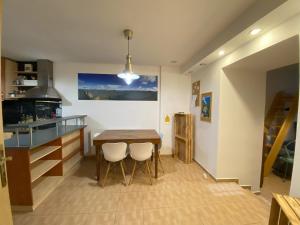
(278, 121)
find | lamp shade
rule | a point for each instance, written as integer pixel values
(127, 75)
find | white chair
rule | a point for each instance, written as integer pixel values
(114, 152)
(141, 152)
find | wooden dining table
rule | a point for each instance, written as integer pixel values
(127, 136)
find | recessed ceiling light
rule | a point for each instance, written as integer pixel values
(173, 61)
(222, 52)
(255, 31)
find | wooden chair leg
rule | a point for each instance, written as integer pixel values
(107, 170)
(121, 164)
(159, 159)
(150, 166)
(149, 172)
(131, 178)
(145, 168)
(124, 166)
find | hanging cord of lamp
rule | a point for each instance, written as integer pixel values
(127, 74)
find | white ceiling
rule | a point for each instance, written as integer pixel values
(238, 33)
(91, 30)
(279, 55)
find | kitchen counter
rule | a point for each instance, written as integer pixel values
(44, 154)
(35, 136)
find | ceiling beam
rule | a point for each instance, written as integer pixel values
(248, 18)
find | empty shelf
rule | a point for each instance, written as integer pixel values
(42, 167)
(41, 152)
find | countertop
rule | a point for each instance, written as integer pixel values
(43, 122)
(40, 137)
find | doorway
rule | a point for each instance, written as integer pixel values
(269, 109)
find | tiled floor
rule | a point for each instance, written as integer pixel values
(274, 184)
(181, 196)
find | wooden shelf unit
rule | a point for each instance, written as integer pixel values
(284, 210)
(184, 137)
(34, 173)
(41, 167)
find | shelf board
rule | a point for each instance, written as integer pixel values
(43, 167)
(40, 152)
(42, 188)
(180, 137)
(27, 72)
(21, 85)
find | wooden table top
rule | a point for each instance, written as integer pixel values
(128, 136)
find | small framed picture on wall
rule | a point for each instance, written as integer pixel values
(206, 102)
(196, 93)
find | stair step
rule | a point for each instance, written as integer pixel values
(287, 98)
(275, 126)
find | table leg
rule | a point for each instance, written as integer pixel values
(97, 162)
(156, 160)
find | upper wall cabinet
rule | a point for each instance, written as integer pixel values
(17, 78)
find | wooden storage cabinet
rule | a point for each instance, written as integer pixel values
(34, 173)
(184, 137)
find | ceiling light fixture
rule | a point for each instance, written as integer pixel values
(255, 31)
(222, 52)
(127, 74)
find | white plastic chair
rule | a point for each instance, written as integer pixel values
(141, 152)
(114, 152)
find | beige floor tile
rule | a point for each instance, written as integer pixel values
(101, 219)
(183, 195)
(274, 184)
(134, 217)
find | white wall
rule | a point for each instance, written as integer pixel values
(214, 70)
(116, 114)
(241, 125)
(295, 185)
(175, 97)
(206, 144)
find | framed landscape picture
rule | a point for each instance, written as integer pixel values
(111, 87)
(196, 93)
(206, 102)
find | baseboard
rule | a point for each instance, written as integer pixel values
(209, 174)
(231, 180)
(166, 155)
(235, 180)
(22, 208)
(247, 187)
